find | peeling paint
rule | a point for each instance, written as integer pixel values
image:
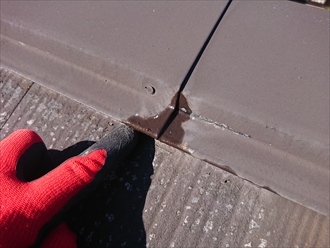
(263, 243)
(248, 244)
(253, 225)
(185, 222)
(208, 226)
(217, 125)
(30, 122)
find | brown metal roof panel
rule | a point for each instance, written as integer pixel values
(265, 75)
(134, 53)
(269, 167)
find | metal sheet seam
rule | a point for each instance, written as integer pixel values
(192, 68)
(218, 125)
(225, 127)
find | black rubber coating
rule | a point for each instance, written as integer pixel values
(118, 144)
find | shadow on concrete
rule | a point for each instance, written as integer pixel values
(111, 215)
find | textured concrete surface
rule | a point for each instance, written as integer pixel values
(12, 89)
(160, 196)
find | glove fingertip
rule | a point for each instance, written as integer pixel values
(64, 182)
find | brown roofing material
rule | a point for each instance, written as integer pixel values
(107, 51)
(258, 97)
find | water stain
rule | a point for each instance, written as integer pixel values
(167, 125)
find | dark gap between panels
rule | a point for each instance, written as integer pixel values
(179, 94)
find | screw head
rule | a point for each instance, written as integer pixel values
(150, 89)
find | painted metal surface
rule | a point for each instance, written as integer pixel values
(265, 75)
(134, 54)
(160, 196)
(256, 104)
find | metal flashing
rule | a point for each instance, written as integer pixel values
(265, 75)
(256, 103)
(107, 54)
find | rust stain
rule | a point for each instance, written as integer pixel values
(167, 125)
(151, 125)
(174, 133)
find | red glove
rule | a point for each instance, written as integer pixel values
(61, 236)
(27, 208)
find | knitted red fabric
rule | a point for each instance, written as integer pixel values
(25, 207)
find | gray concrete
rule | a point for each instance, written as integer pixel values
(12, 89)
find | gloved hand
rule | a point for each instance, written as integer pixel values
(61, 236)
(29, 206)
